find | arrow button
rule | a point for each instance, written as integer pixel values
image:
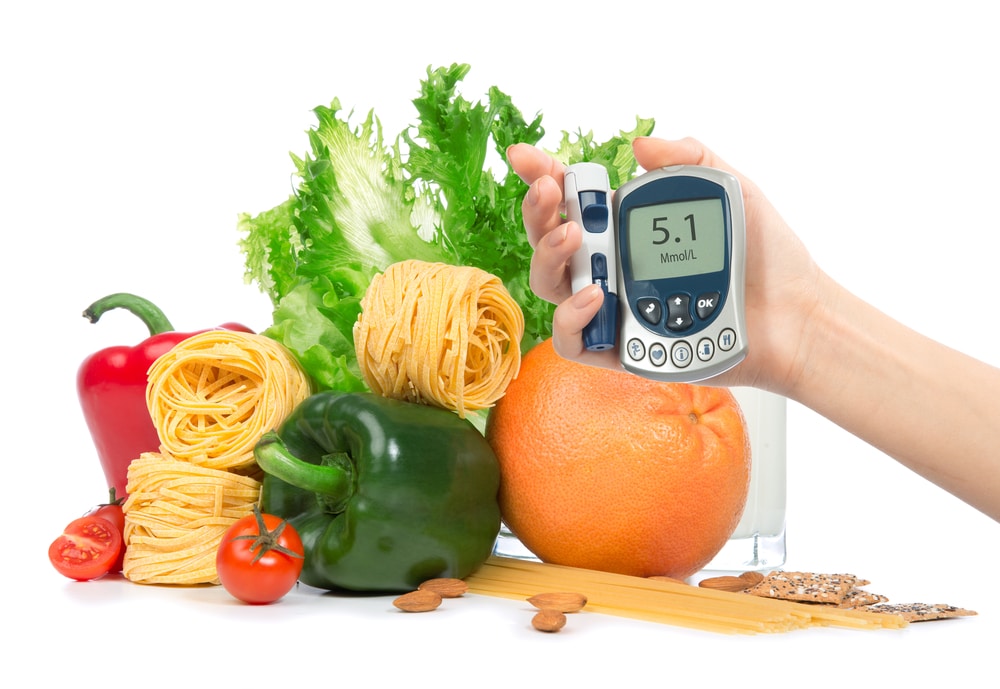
(679, 312)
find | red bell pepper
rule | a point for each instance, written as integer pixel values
(111, 385)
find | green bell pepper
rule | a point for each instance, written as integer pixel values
(385, 494)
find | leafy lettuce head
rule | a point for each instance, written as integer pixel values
(361, 204)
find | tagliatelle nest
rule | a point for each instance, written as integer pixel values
(214, 394)
(437, 334)
(175, 516)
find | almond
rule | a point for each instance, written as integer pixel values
(752, 577)
(725, 583)
(445, 587)
(559, 601)
(548, 620)
(418, 601)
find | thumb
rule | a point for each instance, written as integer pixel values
(651, 153)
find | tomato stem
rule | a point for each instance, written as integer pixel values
(265, 541)
(113, 498)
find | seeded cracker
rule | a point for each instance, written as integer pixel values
(806, 587)
(858, 598)
(920, 612)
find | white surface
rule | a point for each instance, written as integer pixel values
(130, 139)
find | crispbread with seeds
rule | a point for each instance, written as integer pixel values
(857, 598)
(805, 587)
(920, 612)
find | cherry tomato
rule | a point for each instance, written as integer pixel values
(112, 511)
(259, 558)
(86, 549)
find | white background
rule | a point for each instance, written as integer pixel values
(132, 134)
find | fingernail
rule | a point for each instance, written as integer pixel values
(556, 236)
(587, 296)
(532, 196)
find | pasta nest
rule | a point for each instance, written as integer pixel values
(214, 394)
(437, 334)
(175, 517)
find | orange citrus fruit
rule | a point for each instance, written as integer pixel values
(606, 470)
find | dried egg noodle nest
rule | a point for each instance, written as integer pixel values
(175, 516)
(214, 394)
(438, 334)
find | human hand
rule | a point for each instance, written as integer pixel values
(781, 278)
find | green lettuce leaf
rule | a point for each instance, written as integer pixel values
(615, 154)
(363, 202)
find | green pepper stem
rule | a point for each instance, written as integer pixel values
(147, 311)
(333, 482)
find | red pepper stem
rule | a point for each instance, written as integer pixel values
(148, 312)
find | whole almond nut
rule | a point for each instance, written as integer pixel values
(445, 587)
(725, 583)
(418, 601)
(548, 620)
(559, 601)
(752, 577)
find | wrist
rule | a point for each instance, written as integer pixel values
(810, 339)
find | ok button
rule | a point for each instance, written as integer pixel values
(707, 304)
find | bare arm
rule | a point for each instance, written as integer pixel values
(926, 405)
(812, 341)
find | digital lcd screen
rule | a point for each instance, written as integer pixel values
(669, 240)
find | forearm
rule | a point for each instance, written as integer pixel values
(924, 404)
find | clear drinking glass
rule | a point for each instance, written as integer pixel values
(758, 543)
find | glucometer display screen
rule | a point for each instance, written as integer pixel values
(667, 240)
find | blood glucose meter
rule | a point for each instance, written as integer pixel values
(669, 254)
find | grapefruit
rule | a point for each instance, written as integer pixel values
(606, 470)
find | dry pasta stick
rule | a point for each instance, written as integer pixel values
(666, 602)
(432, 333)
(176, 514)
(214, 394)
